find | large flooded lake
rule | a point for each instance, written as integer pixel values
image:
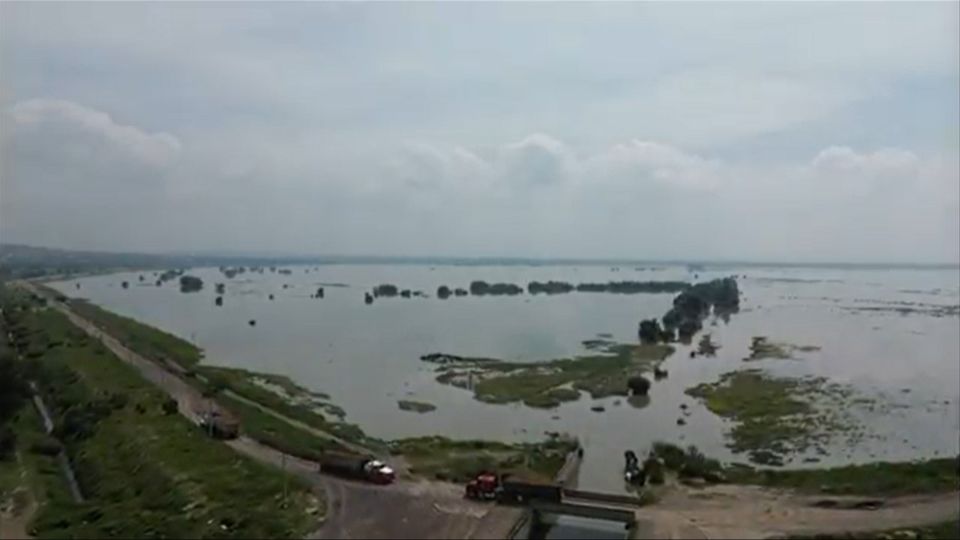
(885, 331)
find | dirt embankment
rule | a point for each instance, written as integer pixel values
(734, 511)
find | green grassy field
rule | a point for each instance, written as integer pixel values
(34, 475)
(145, 473)
(878, 479)
(881, 479)
(296, 402)
(277, 434)
(150, 342)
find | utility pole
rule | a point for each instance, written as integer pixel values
(286, 479)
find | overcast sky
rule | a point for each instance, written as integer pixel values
(793, 132)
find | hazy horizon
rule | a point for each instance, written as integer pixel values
(442, 259)
(794, 133)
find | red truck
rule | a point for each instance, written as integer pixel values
(356, 466)
(220, 424)
(510, 489)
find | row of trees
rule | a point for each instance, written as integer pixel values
(482, 288)
(444, 292)
(619, 287)
(685, 318)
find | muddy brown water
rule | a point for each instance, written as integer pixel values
(367, 356)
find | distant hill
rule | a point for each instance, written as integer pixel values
(31, 261)
(19, 260)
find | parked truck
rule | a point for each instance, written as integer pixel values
(219, 423)
(509, 489)
(356, 466)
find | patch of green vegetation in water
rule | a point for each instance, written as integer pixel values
(552, 398)
(415, 406)
(547, 384)
(689, 462)
(777, 416)
(761, 348)
(706, 346)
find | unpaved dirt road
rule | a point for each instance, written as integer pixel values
(355, 509)
(735, 511)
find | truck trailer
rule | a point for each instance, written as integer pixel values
(507, 489)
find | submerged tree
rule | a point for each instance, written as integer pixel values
(638, 385)
(649, 331)
(386, 290)
(190, 284)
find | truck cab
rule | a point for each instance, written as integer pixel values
(378, 472)
(484, 487)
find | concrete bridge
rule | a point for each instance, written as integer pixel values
(540, 515)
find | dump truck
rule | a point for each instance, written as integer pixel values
(483, 487)
(356, 466)
(219, 424)
(510, 489)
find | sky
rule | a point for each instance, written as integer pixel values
(795, 132)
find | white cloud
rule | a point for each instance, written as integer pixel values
(536, 160)
(95, 132)
(535, 196)
(886, 161)
(651, 161)
(403, 128)
(71, 174)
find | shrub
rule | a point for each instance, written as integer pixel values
(653, 467)
(170, 406)
(672, 455)
(8, 441)
(46, 446)
(117, 401)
